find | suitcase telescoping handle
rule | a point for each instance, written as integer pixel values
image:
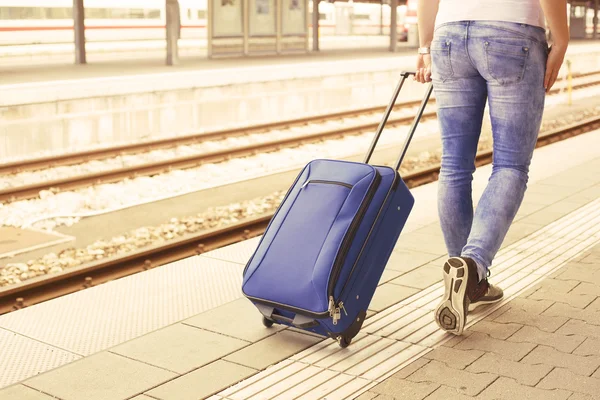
(386, 115)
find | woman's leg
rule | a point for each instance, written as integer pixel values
(509, 66)
(460, 94)
(513, 65)
(460, 112)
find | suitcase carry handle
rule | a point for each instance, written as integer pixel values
(299, 321)
(387, 113)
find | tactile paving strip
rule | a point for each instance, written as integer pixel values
(98, 318)
(22, 357)
(395, 337)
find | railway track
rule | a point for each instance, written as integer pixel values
(136, 148)
(147, 169)
(51, 286)
(75, 182)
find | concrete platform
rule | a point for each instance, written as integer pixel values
(56, 109)
(15, 241)
(183, 332)
(32, 73)
(64, 53)
(256, 68)
(148, 75)
(81, 107)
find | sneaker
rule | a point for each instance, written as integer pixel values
(463, 293)
(451, 313)
(485, 293)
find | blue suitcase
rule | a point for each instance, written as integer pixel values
(323, 253)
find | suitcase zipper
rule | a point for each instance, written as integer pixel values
(349, 186)
(341, 257)
(335, 311)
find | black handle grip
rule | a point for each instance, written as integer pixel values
(387, 113)
(298, 321)
(281, 318)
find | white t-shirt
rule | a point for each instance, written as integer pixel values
(519, 11)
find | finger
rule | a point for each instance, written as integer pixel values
(547, 78)
(553, 78)
(428, 75)
(418, 72)
(549, 81)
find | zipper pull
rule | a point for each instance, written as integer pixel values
(334, 312)
(343, 308)
(337, 315)
(331, 306)
(303, 186)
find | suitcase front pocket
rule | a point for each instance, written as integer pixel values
(298, 262)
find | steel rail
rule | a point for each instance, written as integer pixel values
(71, 183)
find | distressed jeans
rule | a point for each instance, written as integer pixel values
(503, 63)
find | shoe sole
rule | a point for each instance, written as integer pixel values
(451, 313)
(473, 306)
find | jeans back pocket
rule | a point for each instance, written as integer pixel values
(506, 62)
(441, 67)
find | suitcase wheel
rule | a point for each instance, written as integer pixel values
(344, 342)
(267, 322)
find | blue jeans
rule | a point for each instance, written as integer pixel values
(502, 62)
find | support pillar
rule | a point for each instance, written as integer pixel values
(595, 34)
(393, 25)
(172, 30)
(315, 25)
(79, 29)
(381, 18)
